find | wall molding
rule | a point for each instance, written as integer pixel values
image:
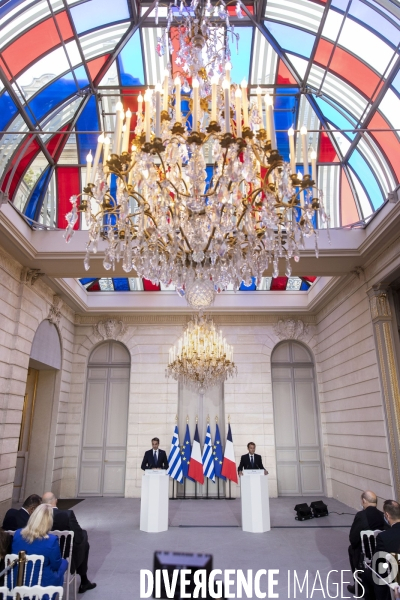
(182, 319)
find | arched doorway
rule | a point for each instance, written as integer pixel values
(103, 457)
(296, 421)
(35, 457)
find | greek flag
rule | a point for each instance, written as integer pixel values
(174, 459)
(208, 459)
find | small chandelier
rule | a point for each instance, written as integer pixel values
(202, 358)
(170, 219)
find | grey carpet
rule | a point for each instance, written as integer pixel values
(119, 550)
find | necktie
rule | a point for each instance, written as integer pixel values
(155, 457)
(252, 461)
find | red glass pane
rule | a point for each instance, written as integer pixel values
(387, 140)
(95, 65)
(175, 45)
(348, 207)
(39, 40)
(279, 284)
(327, 152)
(95, 287)
(150, 287)
(232, 10)
(56, 143)
(22, 158)
(309, 279)
(68, 184)
(348, 67)
(284, 75)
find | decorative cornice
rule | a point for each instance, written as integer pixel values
(109, 329)
(54, 315)
(30, 276)
(182, 319)
(291, 329)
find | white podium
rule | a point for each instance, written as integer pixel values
(255, 501)
(154, 501)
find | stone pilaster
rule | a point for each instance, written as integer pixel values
(383, 325)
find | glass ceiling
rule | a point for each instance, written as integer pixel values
(137, 284)
(332, 66)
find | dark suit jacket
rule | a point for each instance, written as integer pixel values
(370, 518)
(15, 519)
(245, 462)
(148, 460)
(65, 520)
(387, 541)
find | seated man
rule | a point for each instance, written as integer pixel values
(367, 518)
(155, 458)
(18, 518)
(65, 520)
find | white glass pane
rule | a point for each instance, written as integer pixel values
(365, 44)
(155, 65)
(338, 90)
(135, 284)
(69, 155)
(342, 141)
(102, 41)
(332, 25)
(377, 162)
(106, 284)
(263, 66)
(265, 283)
(299, 63)
(29, 181)
(301, 13)
(294, 283)
(390, 107)
(328, 182)
(10, 141)
(48, 214)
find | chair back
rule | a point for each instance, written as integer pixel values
(66, 541)
(10, 532)
(4, 593)
(368, 543)
(33, 570)
(37, 592)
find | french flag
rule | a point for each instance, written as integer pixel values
(229, 465)
(196, 464)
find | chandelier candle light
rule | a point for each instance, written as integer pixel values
(202, 193)
(202, 358)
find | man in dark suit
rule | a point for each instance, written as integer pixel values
(65, 520)
(251, 460)
(370, 517)
(18, 518)
(388, 542)
(155, 458)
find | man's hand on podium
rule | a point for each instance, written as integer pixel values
(265, 472)
(240, 473)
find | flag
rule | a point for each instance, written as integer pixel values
(208, 458)
(218, 454)
(229, 463)
(186, 452)
(196, 466)
(174, 458)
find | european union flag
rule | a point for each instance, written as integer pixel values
(186, 453)
(218, 454)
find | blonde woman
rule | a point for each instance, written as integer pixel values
(36, 539)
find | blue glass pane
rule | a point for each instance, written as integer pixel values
(365, 175)
(55, 93)
(248, 288)
(121, 284)
(241, 61)
(131, 62)
(298, 213)
(284, 116)
(335, 117)
(370, 17)
(95, 13)
(32, 209)
(396, 82)
(6, 7)
(86, 280)
(341, 4)
(210, 173)
(88, 121)
(7, 109)
(304, 286)
(292, 39)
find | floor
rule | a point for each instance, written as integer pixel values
(119, 550)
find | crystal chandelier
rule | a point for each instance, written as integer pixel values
(202, 358)
(201, 193)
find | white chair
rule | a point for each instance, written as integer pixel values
(37, 592)
(368, 543)
(66, 541)
(5, 593)
(30, 558)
